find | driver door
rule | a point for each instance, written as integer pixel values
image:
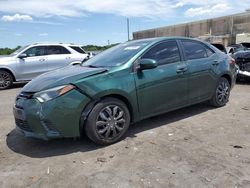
(164, 87)
(34, 64)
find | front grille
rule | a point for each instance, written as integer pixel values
(23, 125)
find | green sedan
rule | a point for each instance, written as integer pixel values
(125, 84)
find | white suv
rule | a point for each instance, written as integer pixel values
(33, 60)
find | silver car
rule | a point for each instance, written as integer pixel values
(33, 60)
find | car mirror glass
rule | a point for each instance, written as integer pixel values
(22, 56)
(147, 64)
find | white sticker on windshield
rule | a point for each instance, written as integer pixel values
(132, 48)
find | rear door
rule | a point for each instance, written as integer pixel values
(58, 57)
(34, 64)
(202, 63)
(165, 87)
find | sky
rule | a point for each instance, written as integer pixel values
(99, 22)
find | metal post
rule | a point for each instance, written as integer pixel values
(128, 29)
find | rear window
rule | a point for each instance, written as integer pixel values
(78, 49)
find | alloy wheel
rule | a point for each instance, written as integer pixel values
(5, 80)
(222, 92)
(110, 122)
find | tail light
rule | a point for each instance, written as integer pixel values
(232, 61)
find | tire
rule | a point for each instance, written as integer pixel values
(108, 121)
(221, 94)
(6, 80)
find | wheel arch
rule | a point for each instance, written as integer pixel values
(88, 108)
(9, 71)
(228, 77)
(123, 99)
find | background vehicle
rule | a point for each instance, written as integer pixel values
(231, 49)
(242, 59)
(221, 47)
(127, 83)
(246, 45)
(33, 60)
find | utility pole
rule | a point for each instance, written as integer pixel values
(128, 29)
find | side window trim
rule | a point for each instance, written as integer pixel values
(181, 49)
(168, 40)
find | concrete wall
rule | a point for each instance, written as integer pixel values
(227, 27)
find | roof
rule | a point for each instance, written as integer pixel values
(55, 43)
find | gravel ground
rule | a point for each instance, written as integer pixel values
(198, 146)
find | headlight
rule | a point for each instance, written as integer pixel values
(44, 96)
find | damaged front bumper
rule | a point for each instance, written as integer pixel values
(244, 70)
(57, 118)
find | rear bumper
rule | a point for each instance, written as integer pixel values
(57, 118)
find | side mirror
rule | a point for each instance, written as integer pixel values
(22, 56)
(76, 63)
(147, 64)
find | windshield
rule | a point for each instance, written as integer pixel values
(19, 50)
(78, 49)
(117, 55)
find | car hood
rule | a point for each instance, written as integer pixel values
(5, 58)
(60, 77)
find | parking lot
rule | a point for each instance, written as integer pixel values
(198, 146)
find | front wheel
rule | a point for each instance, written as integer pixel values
(6, 80)
(108, 121)
(221, 94)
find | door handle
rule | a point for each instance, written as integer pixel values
(216, 62)
(42, 59)
(181, 70)
(68, 57)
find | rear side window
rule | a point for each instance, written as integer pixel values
(35, 51)
(196, 50)
(54, 50)
(164, 53)
(210, 52)
(78, 49)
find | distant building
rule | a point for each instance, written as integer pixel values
(224, 30)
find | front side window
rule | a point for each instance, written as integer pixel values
(55, 50)
(164, 53)
(35, 51)
(195, 50)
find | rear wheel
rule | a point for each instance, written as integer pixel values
(221, 94)
(108, 121)
(6, 80)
